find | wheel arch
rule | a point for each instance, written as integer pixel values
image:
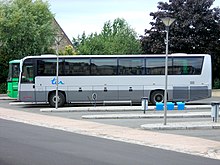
(54, 91)
(152, 92)
(162, 90)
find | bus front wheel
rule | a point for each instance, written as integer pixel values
(157, 96)
(52, 99)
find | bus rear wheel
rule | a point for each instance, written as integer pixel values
(52, 99)
(157, 96)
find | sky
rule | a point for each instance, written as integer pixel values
(89, 16)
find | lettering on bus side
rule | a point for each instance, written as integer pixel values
(53, 81)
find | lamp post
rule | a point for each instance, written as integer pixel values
(167, 22)
(58, 39)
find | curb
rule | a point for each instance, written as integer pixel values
(7, 98)
(94, 109)
(117, 108)
(151, 115)
(182, 126)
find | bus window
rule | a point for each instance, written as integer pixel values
(131, 66)
(10, 73)
(77, 67)
(156, 66)
(15, 70)
(107, 66)
(187, 66)
(48, 67)
(27, 73)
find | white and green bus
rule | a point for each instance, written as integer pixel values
(114, 78)
(13, 78)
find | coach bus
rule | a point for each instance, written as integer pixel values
(114, 78)
(13, 77)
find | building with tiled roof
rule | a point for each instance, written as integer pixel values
(62, 39)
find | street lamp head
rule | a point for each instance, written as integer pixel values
(59, 37)
(167, 21)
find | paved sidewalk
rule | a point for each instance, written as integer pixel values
(151, 113)
(216, 92)
(5, 97)
(171, 114)
(182, 126)
(179, 143)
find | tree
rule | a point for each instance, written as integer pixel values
(68, 51)
(115, 38)
(25, 29)
(196, 29)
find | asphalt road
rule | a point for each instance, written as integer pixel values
(22, 144)
(212, 134)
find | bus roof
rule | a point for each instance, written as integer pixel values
(131, 55)
(14, 61)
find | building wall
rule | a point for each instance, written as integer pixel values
(61, 38)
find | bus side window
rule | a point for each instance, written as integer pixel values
(187, 66)
(131, 66)
(15, 71)
(28, 74)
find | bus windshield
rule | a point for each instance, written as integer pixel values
(13, 71)
(13, 78)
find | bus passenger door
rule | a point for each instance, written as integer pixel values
(27, 86)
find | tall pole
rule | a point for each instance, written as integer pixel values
(167, 22)
(166, 76)
(58, 39)
(57, 74)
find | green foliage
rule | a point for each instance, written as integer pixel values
(25, 29)
(196, 30)
(216, 84)
(115, 38)
(68, 51)
(3, 88)
(195, 23)
(4, 68)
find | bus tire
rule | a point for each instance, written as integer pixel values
(157, 96)
(52, 99)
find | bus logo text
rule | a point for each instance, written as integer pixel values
(53, 81)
